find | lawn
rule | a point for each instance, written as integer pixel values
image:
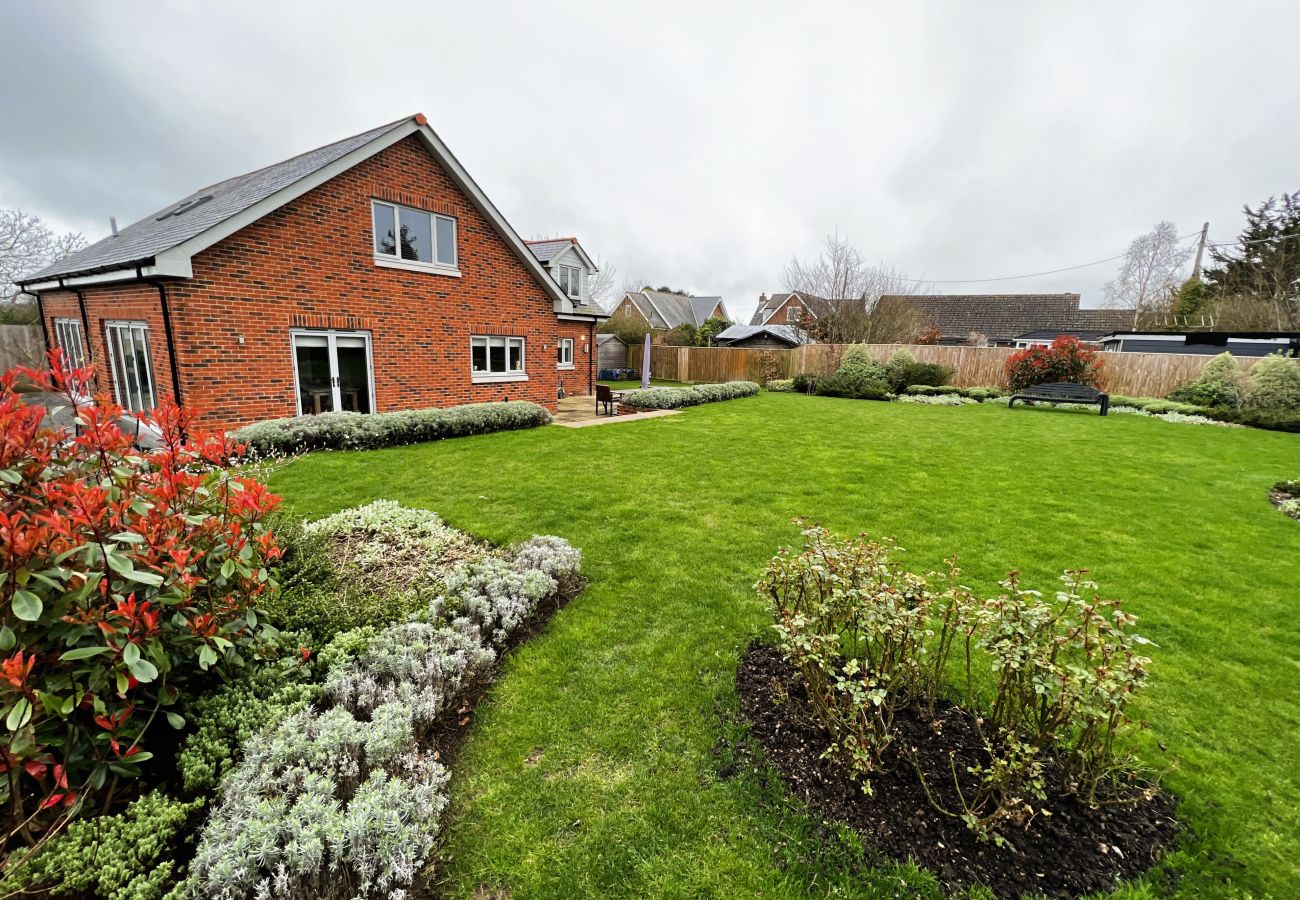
(603, 763)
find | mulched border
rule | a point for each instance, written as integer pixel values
(1277, 496)
(1069, 851)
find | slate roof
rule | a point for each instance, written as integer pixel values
(158, 231)
(783, 333)
(663, 310)
(1001, 317)
(550, 248)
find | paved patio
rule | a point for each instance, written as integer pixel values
(580, 412)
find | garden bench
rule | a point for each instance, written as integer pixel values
(609, 398)
(1062, 392)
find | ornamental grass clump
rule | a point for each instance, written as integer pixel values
(871, 639)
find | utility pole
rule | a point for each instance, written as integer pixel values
(1200, 251)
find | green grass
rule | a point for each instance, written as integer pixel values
(598, 766)
(632, 385)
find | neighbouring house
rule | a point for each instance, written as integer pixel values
(1043, 337)
(371, 274)
(662, 311)
(1204, 343)
(787, 308)
(570, 266)
(611, 352)
(1001, 319)
(771, 337)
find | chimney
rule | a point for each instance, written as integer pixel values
(112, 224)
(762, 298)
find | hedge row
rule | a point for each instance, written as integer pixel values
(367, 431)
(676, 398)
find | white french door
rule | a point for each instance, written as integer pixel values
(332, 371)
(128, 359)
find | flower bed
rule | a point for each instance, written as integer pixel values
(677, 398)
(362, 431)
(855, 708)
(323, 773)
(1285, 495)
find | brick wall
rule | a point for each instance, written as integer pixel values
(310, 265)
(581, 379)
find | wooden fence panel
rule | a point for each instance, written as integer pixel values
(1132, 374)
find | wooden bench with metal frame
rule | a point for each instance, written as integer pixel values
(1062, 392)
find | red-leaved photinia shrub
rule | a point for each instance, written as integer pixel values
(1066, 360)
(124, 575)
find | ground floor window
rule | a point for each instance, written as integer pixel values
(68, 336)
(332, 371)
(497, 358)
(564, 353)
(129, 361)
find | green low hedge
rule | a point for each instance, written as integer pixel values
(362, 431)
(676, 398)
(979, 394)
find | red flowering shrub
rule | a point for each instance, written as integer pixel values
(124, 575)
(929, 335)
(1066, 360)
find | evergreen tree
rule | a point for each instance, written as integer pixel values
(1262, 269)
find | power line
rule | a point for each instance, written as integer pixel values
(1095, 262)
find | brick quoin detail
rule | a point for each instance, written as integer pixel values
(310, 265)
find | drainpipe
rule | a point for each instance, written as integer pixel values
(171, 338)
(85, 323)
(40, 313)
(591, 357)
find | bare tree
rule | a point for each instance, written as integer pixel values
(1150, 275)
(844, 292)
(26, 246)
(602, 285)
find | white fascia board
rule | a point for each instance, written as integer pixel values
(580, 317)
(582, 254)
(162, 268)
(726, 313)
(1276, 340)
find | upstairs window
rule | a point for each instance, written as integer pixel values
(414, 236)
(570, 278)
(792, 313)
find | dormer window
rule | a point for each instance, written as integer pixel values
(412, 238)
(570, 279)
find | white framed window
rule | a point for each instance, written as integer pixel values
(409, 238)
(564, 353)
(792, 313)
(570, 278)
(496, 357)
(128, 360)
(68, 336)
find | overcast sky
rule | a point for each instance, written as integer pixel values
(698, 144)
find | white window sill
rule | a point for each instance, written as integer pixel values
(565, 367)
(389, 262)
(484, 378)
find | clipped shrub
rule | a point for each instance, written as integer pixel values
(1271, 420)
(780, 385)
(936, 399)
(368, 564)
(1221, 384)
(853, 387)
(978, 394)
(1275, 384)
(903, 370)
(127, 576)
(127, 856)
(677, 398)
(805, 383)
(367, 431)
(1066, 360)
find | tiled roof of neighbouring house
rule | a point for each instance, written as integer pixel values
(664, 310)
(197, 212)
(1001, 317)
(783, 333)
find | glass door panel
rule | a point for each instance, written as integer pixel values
(354, 372)
(315, 381)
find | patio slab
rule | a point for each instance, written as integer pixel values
(579, 412)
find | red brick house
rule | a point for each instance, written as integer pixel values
(371, 274)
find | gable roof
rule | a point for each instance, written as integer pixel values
(664, 310)
(164, 243)
(768, 306)
(1002, 317)
(784, 333)
(548, 248)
